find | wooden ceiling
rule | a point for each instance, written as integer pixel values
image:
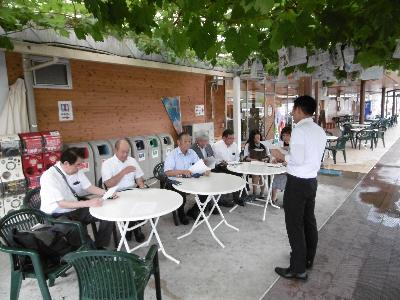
(390, 81)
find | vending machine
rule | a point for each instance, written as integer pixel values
(31, 142)
(33, 168)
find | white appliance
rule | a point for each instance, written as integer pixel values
(13, 202)
(10, 145)
(206, 127)
(11, 169)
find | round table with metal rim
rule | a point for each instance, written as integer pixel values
(261, 169)
(214, 185)
(139, 204)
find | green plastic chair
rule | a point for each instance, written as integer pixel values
(380, 134)
(104, 275)
(24, 219)
(339, 146)
(32, 199)
(365, 135)
(348, 134)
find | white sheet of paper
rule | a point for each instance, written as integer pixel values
(110, 192)
(256, 162)
(199, 167)
(278, 165)
(210, 162)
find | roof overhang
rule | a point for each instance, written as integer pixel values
(55, 51)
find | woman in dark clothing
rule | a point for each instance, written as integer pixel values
(255, 151)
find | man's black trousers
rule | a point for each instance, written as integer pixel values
(301, 226)
(103, 236)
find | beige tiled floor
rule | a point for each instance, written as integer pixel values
(362, 160)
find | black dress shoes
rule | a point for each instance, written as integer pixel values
(128, 235)
(286, 273)
(183, 219)
(226, 203)
(139, 236)
(193, 212)
(240, 201)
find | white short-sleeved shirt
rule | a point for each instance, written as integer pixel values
(113, 166)
(223, 152)
(54, 189)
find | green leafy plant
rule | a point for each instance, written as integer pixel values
(222, 32)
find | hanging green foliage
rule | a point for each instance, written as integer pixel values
(219, 29)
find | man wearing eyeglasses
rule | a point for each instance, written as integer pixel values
(62, 186)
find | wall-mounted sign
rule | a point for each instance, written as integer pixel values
(269, 110)
(199, 110)
(65, 112)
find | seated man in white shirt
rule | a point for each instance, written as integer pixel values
(124, 171)
(61, 186)
(225, 151)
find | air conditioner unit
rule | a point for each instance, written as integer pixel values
(55, 76)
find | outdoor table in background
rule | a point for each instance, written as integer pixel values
(261, 169)
(214, 185)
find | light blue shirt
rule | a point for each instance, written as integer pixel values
(176, 160)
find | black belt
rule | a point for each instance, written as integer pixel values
(303, 179)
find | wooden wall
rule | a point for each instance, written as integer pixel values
(14, 67)
(114, 100)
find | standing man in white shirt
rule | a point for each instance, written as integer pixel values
(62, 185)
(124, 171)
(225, 151)
(307, 146)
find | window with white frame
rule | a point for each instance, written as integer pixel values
(54, 76)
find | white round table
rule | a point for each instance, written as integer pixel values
(214, 185)
(261, 169)
(138, 204)
(331, 138)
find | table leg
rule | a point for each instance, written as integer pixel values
(267, 201)
(269, 197)
(123, 228)
(222, 216)
(160, 244)
(202, 207)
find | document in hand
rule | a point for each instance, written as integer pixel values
(199, 167)
(276, 165)
(210, 162)
(110, 192)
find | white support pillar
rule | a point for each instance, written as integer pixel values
(237, 126)
(30, 97)
(3, 80)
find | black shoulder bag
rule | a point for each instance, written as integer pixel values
(70, 188)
